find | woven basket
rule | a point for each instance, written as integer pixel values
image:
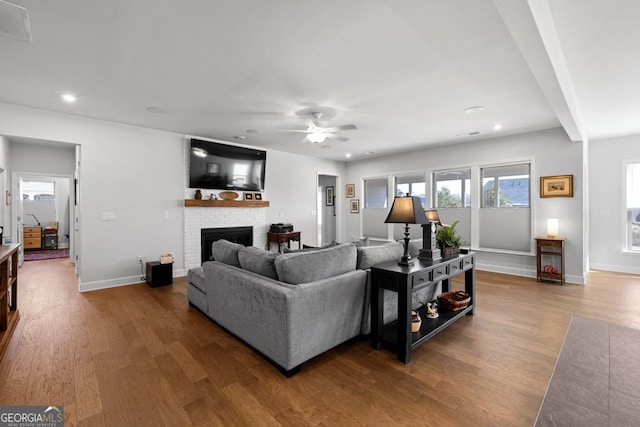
(454, 301)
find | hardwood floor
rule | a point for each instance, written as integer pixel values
(134, 355)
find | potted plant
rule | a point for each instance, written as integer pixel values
(448, 240)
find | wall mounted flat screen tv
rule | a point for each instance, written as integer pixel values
(219, 166)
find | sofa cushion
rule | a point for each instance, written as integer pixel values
(226, 252)
(372, 255)
(258, 261)
(196, 278)
(304, 267)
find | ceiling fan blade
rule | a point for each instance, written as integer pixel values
(337, 137)
(294, 130)
(342, 127)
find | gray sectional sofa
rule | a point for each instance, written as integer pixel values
(290, 307)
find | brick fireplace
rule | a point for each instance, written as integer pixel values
(198, 218)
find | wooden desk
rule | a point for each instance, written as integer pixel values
(9, 314)
(281, 238)
(405, 280)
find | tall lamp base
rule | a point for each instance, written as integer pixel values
(404, 261)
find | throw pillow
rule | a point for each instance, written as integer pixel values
(226, 252)
(258, 261)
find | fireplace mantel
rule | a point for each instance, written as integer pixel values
(193, 203)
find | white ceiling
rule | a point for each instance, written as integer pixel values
(402, 71)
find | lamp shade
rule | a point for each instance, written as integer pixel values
(432, 216)
(552, 227)
(406, 210)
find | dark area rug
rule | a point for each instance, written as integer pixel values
(596, 381)
(48, 254)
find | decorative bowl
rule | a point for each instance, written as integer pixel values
(228, 195)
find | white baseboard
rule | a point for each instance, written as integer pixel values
(578, 280)
(120, 281)
(615, 268)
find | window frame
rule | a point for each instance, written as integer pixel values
(628, 210)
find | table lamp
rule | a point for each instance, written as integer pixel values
(406, 210)
(430, 250)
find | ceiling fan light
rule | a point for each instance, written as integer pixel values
(316, 137)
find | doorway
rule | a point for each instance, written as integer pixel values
(327, 202)
(43, 208)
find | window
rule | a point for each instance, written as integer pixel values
(633, 206)
(413, 186)
(505, 215)
(37, 190)
(452, 188)
(375, 193)
(505, 186)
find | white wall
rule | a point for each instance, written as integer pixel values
(139, 174)
(607, 204)
(551, 152)
(5, 184)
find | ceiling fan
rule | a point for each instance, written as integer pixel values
(317, 133)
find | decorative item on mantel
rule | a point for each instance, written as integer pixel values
(213, 196)
(198, 195)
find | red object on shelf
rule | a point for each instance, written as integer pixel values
(549, 269)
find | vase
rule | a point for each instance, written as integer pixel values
(416, 321)
(198, 195)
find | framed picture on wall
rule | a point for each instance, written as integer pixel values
(350, 190)
(329, 196)
(354, 206)
(556, 186)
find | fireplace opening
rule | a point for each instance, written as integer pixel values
(241, 235)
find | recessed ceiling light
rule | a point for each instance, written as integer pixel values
(156, 110)
(239, 137)
(252, 131)
(497, 126)
(348, 155)
(474, 109)
(68, 97)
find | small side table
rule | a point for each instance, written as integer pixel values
(550, 249)
(159, 274)
(280, 238)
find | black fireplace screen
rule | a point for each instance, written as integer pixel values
(241, 235)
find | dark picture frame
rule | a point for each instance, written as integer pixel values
(354, 206)
(257, 196)
(329, 196)
(248, 196)
(350, 190)
(556, 186)
(213, 168)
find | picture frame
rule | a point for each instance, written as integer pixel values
(350, 190)
(213, 168)
(556, 186)
(257, 196)
(248, 196)
(329, 196)
(354, 206)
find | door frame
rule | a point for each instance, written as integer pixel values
(17, 214)
(320, 204)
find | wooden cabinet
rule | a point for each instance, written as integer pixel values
(550, 259)
(32, 238)
(8, 293)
